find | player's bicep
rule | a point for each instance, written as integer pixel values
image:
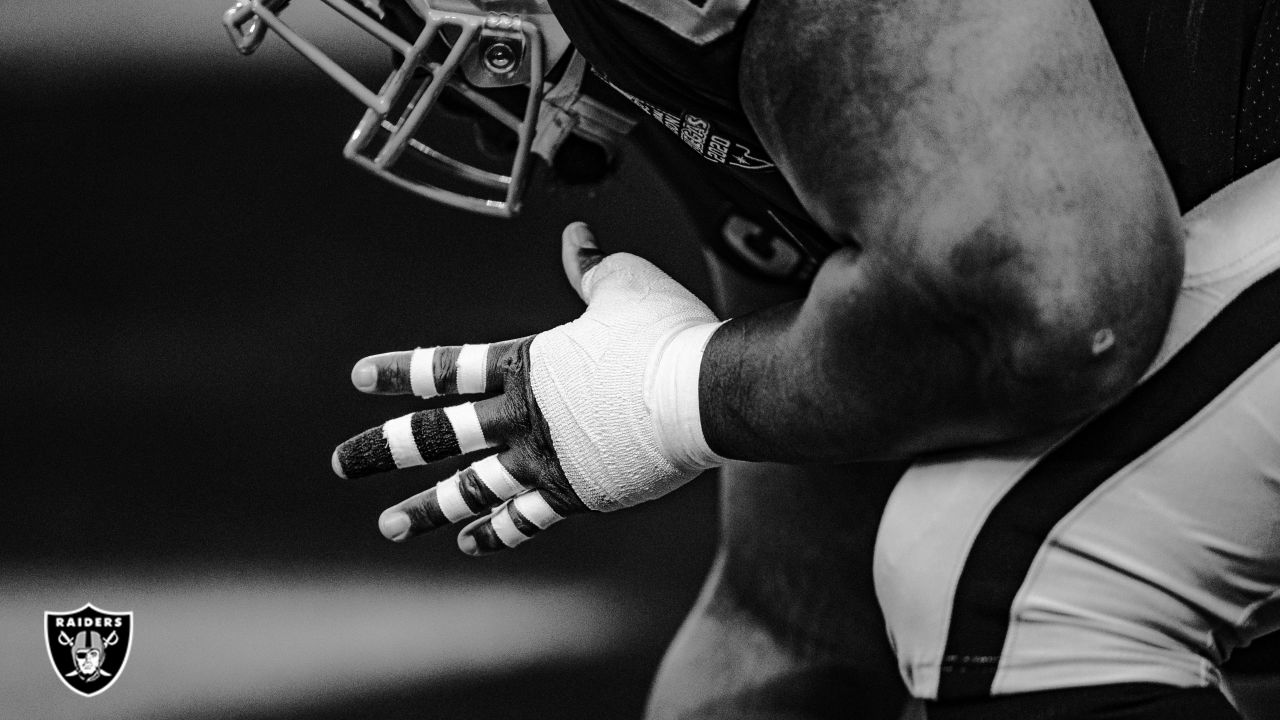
(868, 105)
(987, 152)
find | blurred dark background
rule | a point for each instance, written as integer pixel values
(190, 271)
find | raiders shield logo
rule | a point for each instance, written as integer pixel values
(88, 647)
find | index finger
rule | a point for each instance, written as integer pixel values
(429, 372)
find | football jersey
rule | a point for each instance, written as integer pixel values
(1205, 77)
(1142, 547)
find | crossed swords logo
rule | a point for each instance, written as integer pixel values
(89, 647)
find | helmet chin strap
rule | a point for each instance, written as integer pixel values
(566, 110)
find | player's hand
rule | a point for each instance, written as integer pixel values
(597, 414)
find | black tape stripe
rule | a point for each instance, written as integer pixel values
(1007, 544)
(366, 454)
(433, 434)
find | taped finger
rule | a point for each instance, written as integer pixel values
(467, 374)
(410, 440)
(430, 372)
(472, 491)
(515, 522)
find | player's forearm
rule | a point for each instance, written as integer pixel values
(868, 366)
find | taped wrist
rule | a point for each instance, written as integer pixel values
(618, 387)
(672, 398)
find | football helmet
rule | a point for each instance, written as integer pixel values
(466, 47)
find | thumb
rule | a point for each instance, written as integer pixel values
(579, 253)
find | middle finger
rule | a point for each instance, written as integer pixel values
(424, 437)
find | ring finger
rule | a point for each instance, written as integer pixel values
(472, 491)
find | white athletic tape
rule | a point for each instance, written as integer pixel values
(472, 360)
(496, 478)
(535, 508)
(466, 427)
(422, 373)
(449, 495)
(505, 528)
(671, 394)
(399, 436)
(591, 380)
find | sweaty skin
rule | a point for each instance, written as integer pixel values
(1015, 244)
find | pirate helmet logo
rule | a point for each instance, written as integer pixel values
(88, 647)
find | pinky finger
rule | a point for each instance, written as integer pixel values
(514, 522)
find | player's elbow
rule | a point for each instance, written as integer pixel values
(1067, 326)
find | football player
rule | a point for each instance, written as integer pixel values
(986, 241)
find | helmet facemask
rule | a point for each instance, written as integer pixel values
(441, 45)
